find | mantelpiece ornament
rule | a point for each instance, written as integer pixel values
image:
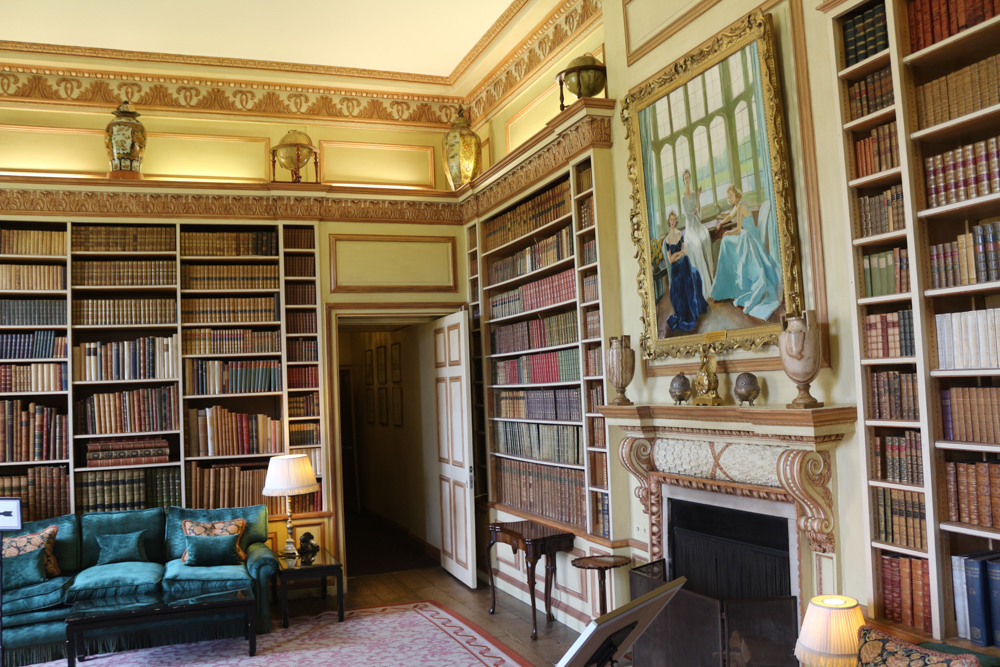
(635, 455)
(806, 476)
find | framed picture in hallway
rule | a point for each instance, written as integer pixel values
(370, 405)
(397, 406)
(369, 367)
(713, 217)
(380, 363)
(383, 406)
(396, 362)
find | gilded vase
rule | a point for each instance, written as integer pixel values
(125, 139)
(620, 364)
(461, 152)
(800, 346)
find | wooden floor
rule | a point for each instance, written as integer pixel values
(511, 624)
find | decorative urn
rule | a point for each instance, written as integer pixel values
(800, 346)
(620, 364)
(589, 80)
(746, 388)
(125, 139)
(680, 389)
(293, 153)
(461, 152)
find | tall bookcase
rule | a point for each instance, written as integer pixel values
(178, 357)
(928, 209)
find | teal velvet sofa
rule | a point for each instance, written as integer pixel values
(34, 616)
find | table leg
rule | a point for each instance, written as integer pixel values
(70, 648)
(489, 569)
(531, 591)
(550, 577)
(251, 631)
(283, 586)
(322, 592)
(601, 586)
(340, 594)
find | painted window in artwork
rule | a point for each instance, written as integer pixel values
(678, 110)
(669, 188)
(683, 160)
(744, 140)
(736, 81)
(703, 165)
(696, 98)
(662, 116)
(713, 87)
(720, 157)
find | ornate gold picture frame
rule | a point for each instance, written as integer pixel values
(713, 216)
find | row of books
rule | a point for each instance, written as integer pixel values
(958, 93)
(548, 404)
(45, 344)
(585, 213)
(971, 414)
(303, 434)
(32, 277)
(300, 294)
(887, 272)
(536, 294)
(32, 432)
(930, 21)
(596, 426)
(588, 252)
(219, 431)
(599, 470)
(43, 490)
(131, 238)
(315, 455)
(125, 272)
(229, 276)
(303, 377)
(878, 152)
(964, 173)
(584, 177)
(303, 350)
(591, 289)
(558, 366)
(471, 238)
(890, 335)
(213, 376)
(307, 502)
(136, 411)
(551, 492)
(602, 514)
(32, 312)
(975, 580)
(973, 488)
(906, 591)
(230, 485)
(299, 239)
(537, 212)
(894, 396)
(303, 405)
(967, 339)
(971, 259)
(592, 323)
(865, 34)
(301, 323)
(897, 458)
(32, 242)
(883, 212)
(231, 341)
(545, 442)
(300, 266)
(561, 329)
(92, 312)
(230, 309)
(259, 242)
(149, 357)
(126, 452)
(34, 377)
(538, 255)
(124, 489)
(592, 361)
(871, 94)
(900, 518)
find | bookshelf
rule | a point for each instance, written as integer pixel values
(923, 318)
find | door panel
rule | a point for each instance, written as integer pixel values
(440, 348)
(456, 396)
(443, 423)
(447, 520)
(461, 513)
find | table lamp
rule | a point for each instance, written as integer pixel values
(829, 633)
(288, 476)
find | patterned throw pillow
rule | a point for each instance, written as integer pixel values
(43, 539)
(878, 649)
(215, 528)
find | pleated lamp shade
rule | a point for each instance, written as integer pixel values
(290, 475)
(829, 634)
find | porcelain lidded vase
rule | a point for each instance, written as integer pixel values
(620, 364)
(461, 152)
(125, 139)
(801, 350)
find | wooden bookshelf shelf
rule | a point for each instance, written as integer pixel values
(231, 355)
(125, 326)
(262, 290)
(15, 394)
(246, 394)
(860, 70)
(299, 251)
(304, 419)
(230, 259)
(233, 456)
(587, 267)
(32, 292)
(300, 279)
(879, 179)
(963, 130)
(975, 531)
(970, 43)
(136, 466)
(31, 327)
(888, 361)
(877, 483)
(11, 464)
(585, 193)
(963, 210)
(535, 421)
(302, 363)
(965, 372)
(977, 288)
(874, 119)
(528, 313)
(131, 254)
(87, 436)
(885, 298)
(125, 288)
(905, 551)
(967, 446)
(114, 382)
(551, 348)
(32, 361)
(536, 385)
(555, 267)
(526, 459)
(45, 259)
(586, 230)
(528, 239)
(892, 423)
(216, 325)
(888, 238)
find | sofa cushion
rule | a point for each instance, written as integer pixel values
(105, 581)
(41, 616)
(878, 649)
(121, 548)
(67, 546)
(255, 516)
(47, 594)
(43, 541)
(232, 527)
(24, 569)
(209, 550)
(182, 580)
(129, 521)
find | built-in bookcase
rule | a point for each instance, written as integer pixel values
(162, 363)
(924, 253)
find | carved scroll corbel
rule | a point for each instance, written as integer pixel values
(635, 455)
(806, 477)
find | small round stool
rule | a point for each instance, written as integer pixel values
(602, 564)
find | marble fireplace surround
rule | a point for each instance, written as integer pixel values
(761, 453)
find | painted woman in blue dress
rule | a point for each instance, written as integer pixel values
(745, 272)
(685, 281)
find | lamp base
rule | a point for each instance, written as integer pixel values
(289, 551)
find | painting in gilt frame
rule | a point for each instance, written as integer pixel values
(713, 217)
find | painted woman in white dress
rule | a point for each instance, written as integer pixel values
(699, 243)
(747, 274)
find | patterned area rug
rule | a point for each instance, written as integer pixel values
(403, 635)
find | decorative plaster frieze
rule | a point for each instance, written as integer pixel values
(725, 461)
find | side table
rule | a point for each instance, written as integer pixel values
(536, 541)
(602, 564)
(320, 566)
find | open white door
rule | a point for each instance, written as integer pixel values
(453, 398)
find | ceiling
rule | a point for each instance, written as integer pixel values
(428, 37)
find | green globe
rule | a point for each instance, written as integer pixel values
(585, 83)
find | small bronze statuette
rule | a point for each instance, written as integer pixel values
(746, 388)
(706, 383)
(306, 545)
(680, 389)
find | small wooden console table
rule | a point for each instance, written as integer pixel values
(535, 540)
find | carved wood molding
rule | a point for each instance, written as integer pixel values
(635, 454)
(806, 476)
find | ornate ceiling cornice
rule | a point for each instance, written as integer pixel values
(486, 40)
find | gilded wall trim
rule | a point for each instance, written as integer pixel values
(671, 29)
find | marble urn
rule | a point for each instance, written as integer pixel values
(800, 346)
(620, 364)
(125, 140)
